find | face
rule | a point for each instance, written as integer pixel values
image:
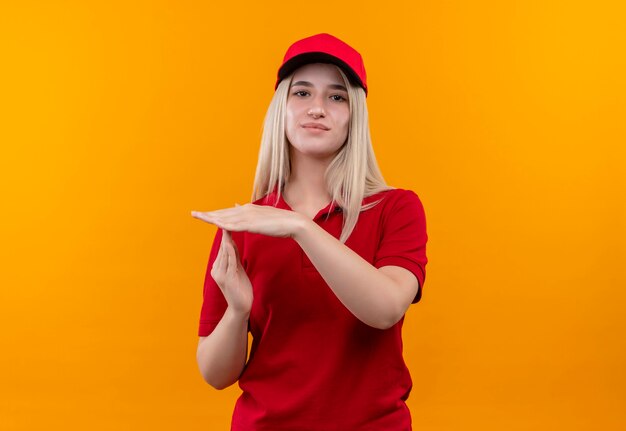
(318, 112)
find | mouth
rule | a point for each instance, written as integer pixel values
(315, 127)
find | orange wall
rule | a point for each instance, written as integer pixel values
(118, 119)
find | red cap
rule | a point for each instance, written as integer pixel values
(324, 48)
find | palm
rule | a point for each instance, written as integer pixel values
(231, 277)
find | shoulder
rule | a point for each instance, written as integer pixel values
(393, 197)
(407, 196)
(402, 206)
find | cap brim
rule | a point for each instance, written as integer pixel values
(318, 57)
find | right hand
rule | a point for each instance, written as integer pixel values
(231, 277)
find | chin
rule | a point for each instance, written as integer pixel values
(316, 152)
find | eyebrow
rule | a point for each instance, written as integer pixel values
(308, 84)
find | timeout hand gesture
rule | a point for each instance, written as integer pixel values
(227, 270)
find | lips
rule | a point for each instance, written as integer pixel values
(315, 126)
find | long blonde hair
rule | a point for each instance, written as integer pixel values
(352, 175)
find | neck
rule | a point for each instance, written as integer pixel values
(306, 181)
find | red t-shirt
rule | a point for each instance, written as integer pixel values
(313, 365)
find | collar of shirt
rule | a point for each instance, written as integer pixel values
(330, 209)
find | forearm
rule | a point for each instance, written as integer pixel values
(222, 355)
(364, 290)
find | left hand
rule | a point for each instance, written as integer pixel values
(263, 219)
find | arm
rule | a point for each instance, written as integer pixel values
(377, 297)
(222, 355)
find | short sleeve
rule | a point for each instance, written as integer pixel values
(403, 239)
(213, 304)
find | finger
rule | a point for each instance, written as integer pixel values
(208, 218)
(199, 215)
(222, 212)
(233, 253)
(233, 244)
(236, 252)
(216, 270)
(228, 239)
(217, 265)
(220, 262)
(232, 264)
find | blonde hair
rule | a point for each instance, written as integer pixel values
(352, 175)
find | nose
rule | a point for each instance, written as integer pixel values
(316, 109)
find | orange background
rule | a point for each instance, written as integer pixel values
(118, 119)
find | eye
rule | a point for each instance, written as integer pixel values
(340, 97)
(300, 91)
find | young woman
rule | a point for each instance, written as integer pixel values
(320, 267)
